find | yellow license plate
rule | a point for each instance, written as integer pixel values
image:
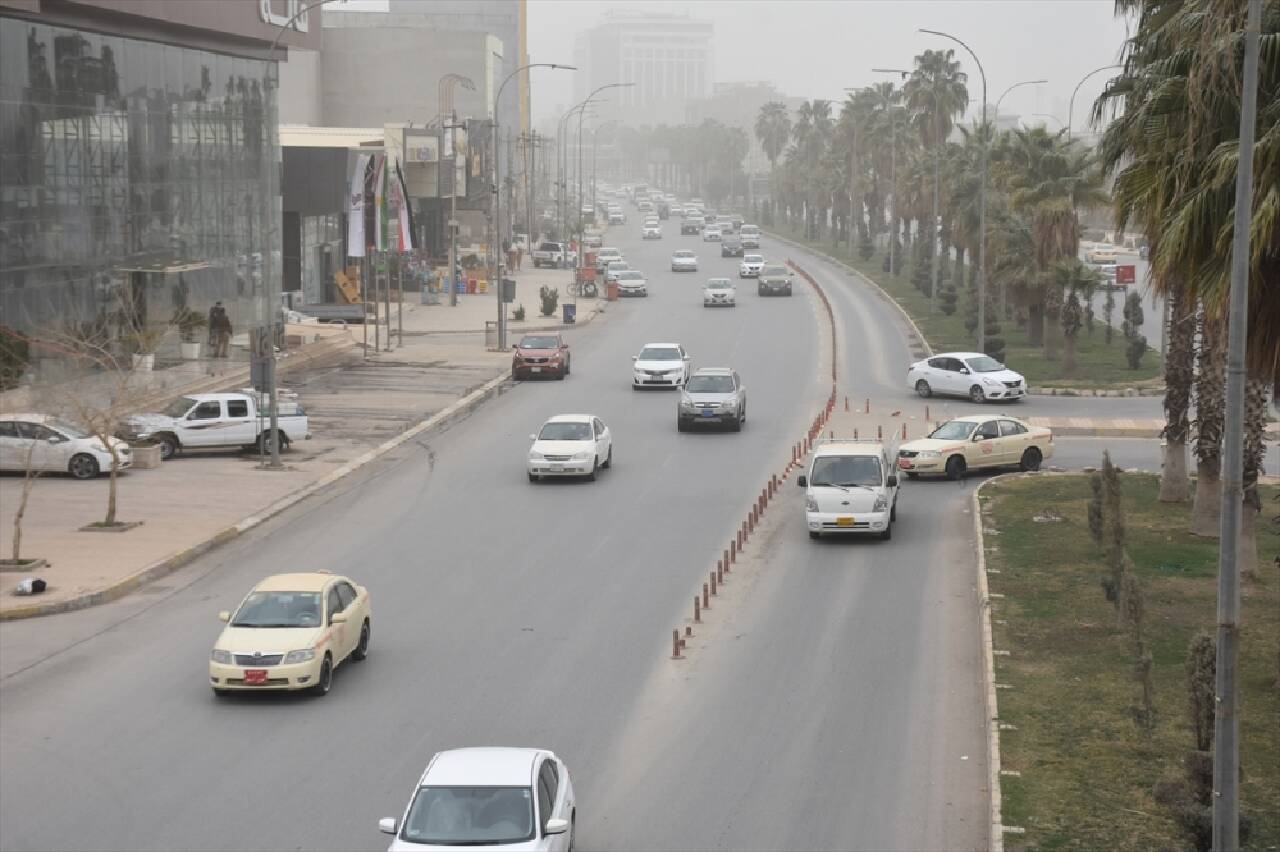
(844, 522)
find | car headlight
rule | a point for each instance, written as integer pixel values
(534, 455)
(304, 655)
(991, 382)
(581, 456)
(221, 656)
(928, 454)
(810, 504)
(882, 503)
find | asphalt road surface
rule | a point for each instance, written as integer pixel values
(835, 704)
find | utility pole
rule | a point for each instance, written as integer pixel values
(1226, 720)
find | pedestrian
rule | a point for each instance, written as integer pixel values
(511, 258)
(219, 330)
(519, 256)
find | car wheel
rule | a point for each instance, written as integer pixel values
(976, 394)
(83, 466)
(362, 647)
(264, 442)
(533, 477)
(568, 366)
(923, 389)
(955, 467)
(913, 476)
(893, 511)
(608, 462)
(218, 692)
(325, 681)
(815, 535)
(887, 534)
(737, 424)
(168, 446)
(681, 426)
(1031, 459)
(595, 470)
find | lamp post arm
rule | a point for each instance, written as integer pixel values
(1071, 105)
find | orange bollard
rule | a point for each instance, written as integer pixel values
(846, 403)
(706, 597)
(904, 431)
(713, 582)
(720, 571)
(726, 562)
(675, 644)
(879, 433)
(697, 610)
(866, 406)
(926, 412)
(733, 550)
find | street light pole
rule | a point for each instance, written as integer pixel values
(562, 165)
(447, 82)
(1072, 104)
(581, 259)
(497, 195)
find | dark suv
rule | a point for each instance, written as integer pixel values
(540, 355)
(730, 246)
(774, 280)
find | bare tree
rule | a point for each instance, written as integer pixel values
(28, 481)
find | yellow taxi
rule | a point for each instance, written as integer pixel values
(975, 442)
(290, 632)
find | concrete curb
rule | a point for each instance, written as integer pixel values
(169, 564)
(995, 841)
(523, 329)
(926, 351)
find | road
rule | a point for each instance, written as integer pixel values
(835, 705)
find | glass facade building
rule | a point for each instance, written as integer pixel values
(137, 178)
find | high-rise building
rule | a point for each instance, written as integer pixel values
(668, 57)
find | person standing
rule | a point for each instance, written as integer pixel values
(219, 330)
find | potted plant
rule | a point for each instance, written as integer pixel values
(145, 342)
(189, 322)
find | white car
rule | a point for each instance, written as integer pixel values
(606, 256)
(711, 234)
(750, 236)
(750, 266)
(615, 267)
(55, 446)
(684, 261)
(652, 231)
(660, 365)
(631, 282)
(972, 374)
(513, 798)
(719, 291)
(850, 487)
(570, 445)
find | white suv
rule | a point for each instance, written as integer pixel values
(850, 487)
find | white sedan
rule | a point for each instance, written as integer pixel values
(652, 231)
(570, 445)
(972, 374)
(43, 443)
(631, 282)
(515, 799)
(751, 266)
(660, 365)
(719, 291)
(684, 261)
(711, 234)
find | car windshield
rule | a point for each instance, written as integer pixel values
(710, 384)
(279, 609)
(565, 431)
(549, 247)
(774, 270)
(956, 430)
(683, 254)
(540, 342)
(846, 471)
(608, 252)
(617, 265)
(630, 275)
(179, 406)
(754, 258)
(470, 816)
(719, 284)
(654, 353)
(984, 364)
(69, 429)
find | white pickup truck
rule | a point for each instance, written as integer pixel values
(201, 421)
(553, 255)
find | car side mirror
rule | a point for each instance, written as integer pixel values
(633, 357)
(802, 481)
(977, 437)
(225, 615)
(338, 618)
(556, 826)
(533, 437)
(686, 358)
(54, 439)
(387, 825)
(964, 370)
(892, 481)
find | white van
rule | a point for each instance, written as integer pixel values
(850, 487)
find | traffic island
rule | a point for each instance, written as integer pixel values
(1086, 761)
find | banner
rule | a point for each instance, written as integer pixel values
(380, 202)
(405, 219)
(355, 208)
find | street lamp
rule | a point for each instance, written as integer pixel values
(562, 164)
(1049, 115)
(1072, 104)
(982, 196)
(595, 138)
(497, 196)
(581, 254)
(893, 163)
(447, 83)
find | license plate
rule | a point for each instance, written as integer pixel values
(844, 522)
(255, 677)
(535, 369)
(708, 414)
(904, 464)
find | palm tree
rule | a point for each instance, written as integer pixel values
(773, 129)
(1073, 277)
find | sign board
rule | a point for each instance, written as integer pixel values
(1126, 274)
(422, 149)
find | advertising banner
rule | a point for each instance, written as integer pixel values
(355, 208)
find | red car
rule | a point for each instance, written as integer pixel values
(538, 355)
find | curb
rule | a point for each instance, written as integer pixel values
(995, 840)
(927, 350)
(169, 564)
(525, 329)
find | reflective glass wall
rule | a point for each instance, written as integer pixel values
(136, 179)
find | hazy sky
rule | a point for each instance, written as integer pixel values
(814, 48)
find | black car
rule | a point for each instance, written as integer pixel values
(690, 226)
(774, 280)
(731, 246)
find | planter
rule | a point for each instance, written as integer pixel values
(117, 527)
(146, 456)
(190, 351)
(144, 363)
(22, 565)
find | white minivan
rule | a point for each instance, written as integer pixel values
(850, 487)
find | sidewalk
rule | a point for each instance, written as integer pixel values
(361, 402)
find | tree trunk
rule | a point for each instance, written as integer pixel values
(1052, 333)
(1179, 374)
(1035, 324)
(111, 488)
(1255, 424)
(1206, 507)
(1069, 365)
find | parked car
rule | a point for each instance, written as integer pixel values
(684, 261)
(606, 256)
(290, 632)
(631, 282)
(975, 442)
(731, 246)
(972, 374)
(713, 395)
(660, 365)
(552, 255)
(591, 238)
(615, 267)
(773, 279)
(719, 291)
(540, 355)
(570, 445)
(52, 445)
(513, 798)
(750, 266)
(201, 421)
(850, 487)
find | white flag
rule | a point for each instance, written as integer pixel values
(355, 208)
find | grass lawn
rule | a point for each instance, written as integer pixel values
(1086, 770)
(1100, 365)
